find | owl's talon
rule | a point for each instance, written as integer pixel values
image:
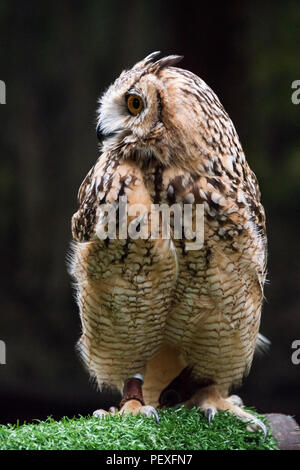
(255, 424)
(210, 401)
(150, 411)
(210, 413)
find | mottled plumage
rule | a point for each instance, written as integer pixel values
(153, 302)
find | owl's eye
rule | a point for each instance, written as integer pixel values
(134, 104)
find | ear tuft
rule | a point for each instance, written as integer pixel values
(168, 61)
(146, 61)
(154, 67)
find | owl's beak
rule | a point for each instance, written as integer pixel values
(102, 135)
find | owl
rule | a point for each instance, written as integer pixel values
(165, 322)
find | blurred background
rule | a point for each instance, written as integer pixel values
(56, 61)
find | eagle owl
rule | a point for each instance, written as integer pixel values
(163, 323)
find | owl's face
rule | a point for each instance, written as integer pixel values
(131, 107)
(155, 110)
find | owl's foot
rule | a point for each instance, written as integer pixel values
(133, 407)
(103, 413)
(209, 400)
(132, 402)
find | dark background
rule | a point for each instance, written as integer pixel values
(56, 58)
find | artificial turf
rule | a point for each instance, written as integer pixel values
(179, 429)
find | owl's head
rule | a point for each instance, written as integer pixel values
(156, 110)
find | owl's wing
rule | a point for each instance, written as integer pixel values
(232, 210)
(83, 221)
(229, 269)
(103, 186)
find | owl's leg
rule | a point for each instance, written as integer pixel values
(210, 401)
(184, 386)
(132, 401)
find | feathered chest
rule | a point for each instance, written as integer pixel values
(128, 197)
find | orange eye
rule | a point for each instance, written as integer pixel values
(134, 104)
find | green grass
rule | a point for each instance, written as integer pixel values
(179, 429)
